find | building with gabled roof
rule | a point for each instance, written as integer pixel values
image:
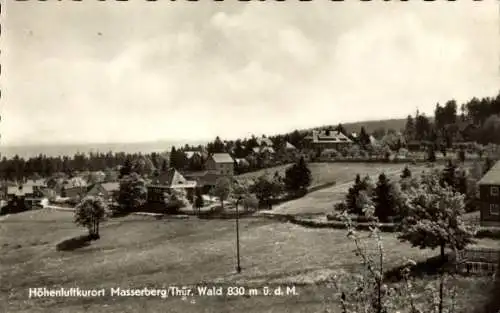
(264, 141)
(191, 154)
(220, 164)
(489, 196)
(109, 191)
(167, 181)
(327, 139)
(289, 146)
(263, 149)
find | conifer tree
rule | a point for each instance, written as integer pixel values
(298, 178)
(384, 199)
(431, 153)
(406, 173)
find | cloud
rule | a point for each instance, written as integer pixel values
(197, 71)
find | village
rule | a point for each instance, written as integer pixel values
(260, 157)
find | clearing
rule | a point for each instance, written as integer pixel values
(323, 200)
(139, 251)
(340, 172)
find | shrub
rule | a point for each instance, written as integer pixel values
(340, 207)
(250, 202)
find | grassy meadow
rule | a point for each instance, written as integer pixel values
(139, 251)
(323, 173)
(322, 201)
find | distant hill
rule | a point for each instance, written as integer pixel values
(161, 146)
(371, 126)
(397, 124)
(71, 149)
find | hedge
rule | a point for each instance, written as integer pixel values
(483, 232)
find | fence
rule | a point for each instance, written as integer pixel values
(478, 260)
(477, 268)
(473, 220)
(479, 255)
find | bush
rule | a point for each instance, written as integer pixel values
(334, 216)
(488, 232)
(250, 202)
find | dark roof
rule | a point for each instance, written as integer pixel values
(222, 158)
(492, 177)
(169, 178)
(192, 175)
(208, 179)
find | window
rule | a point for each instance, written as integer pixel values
(494, 191)
(494, 209)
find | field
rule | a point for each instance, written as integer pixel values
(322, 201)
(340, 173)
(135, 252)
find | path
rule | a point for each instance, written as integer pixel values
(318, 202)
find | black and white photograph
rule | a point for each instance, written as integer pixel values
(250, 156)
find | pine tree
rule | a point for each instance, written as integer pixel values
(461, 155)
(409, 131)
(198, 200)
(431, 154)
(488, 164)
(461, 183)
(164, 166)
(341, 129)
(364, 138)
(173, 158)
(384, 201)
(126, 169)
(449, 175)
(352, 195)
(406, 173)
(298, 178)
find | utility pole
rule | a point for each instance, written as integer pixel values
(238, 267)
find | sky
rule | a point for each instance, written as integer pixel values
(90, 71)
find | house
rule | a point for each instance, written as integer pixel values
(220, 164)
(109, 191)
(264, 142)
(167, 182)
(75, 187)
(289, 147)
(242, 162)
(489, 197)
(192, 154)
(73, 191)
(266, 151)
(327, 139)
(205, 180)
(21, 191)
(26, 194)
(195, 160)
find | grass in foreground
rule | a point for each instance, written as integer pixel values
(135, 252)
